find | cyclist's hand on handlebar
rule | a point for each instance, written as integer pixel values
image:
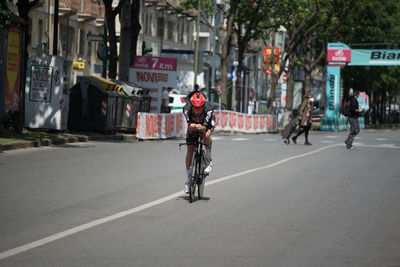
(192, 127)
(200, 128)
(197, 128)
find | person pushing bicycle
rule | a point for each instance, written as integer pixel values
(199, 115)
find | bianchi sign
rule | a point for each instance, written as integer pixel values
(365, 57)
(340, 55)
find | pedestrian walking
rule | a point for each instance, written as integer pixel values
(305, 118)
(195, 90)
(165, 100)
(354, 113)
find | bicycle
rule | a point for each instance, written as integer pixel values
(197, 167)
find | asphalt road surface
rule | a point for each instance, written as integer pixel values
(266, 203)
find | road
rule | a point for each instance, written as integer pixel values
(266, 204)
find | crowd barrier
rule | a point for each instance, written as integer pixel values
(338, 123)
(244, 123)
(162, 126)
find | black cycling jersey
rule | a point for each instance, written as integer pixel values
(206, 118)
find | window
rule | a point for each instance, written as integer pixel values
(181, 27)
(160, 27)
(89, 48)
(147, 24)
(186, 34)
(81, 50)
(40, 31)
(67, 39)
(171, 30)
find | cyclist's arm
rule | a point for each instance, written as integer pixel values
(209, 120)
(186, 113)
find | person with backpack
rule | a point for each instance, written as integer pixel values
(352, 111)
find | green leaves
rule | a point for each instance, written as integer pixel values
(5, 14)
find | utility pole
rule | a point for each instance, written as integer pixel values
(105, 48)
(213, 55)
(260, 82)
(55, 32)
(196, 54)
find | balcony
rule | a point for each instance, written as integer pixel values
(85, 10)
(67, 8)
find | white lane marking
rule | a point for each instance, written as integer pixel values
(331, 136)
(271, 140)
(217, 138)
(328, 142)
(80, 228)
(240, 139)
(381, 139)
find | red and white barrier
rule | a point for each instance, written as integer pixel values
(162, 126)
(244, 123)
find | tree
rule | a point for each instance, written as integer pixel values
(5, 14)
(224, 33)
(24, 6)
(319, 32)
(111, 13)
(130, 29)
(376, 25)
(251, 23)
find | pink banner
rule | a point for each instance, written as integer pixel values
(338, 57)
(155, 63)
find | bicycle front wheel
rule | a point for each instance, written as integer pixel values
(200, 181)
(193, 175)
(200, 188)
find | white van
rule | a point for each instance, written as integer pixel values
(176, 102)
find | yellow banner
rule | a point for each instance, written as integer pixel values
(13, 67)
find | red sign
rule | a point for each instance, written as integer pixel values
(339, 57)
(267, 54)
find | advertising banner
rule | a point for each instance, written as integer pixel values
(375, 57)
(267, 53)
(276, 59)
(268, 67)
(332, 91)
(13, 66)
(154, 73)
(41, 81)
(338, 54)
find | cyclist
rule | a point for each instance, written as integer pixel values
(199, 115)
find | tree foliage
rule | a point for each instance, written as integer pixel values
(4, 15)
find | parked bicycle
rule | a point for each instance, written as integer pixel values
(197, 173)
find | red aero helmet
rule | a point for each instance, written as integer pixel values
(197, 100)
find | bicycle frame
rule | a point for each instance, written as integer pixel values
(197, 169)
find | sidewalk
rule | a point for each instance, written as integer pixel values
(69, 138)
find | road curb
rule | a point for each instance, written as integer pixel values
(62, 141)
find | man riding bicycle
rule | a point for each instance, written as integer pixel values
(199, 115)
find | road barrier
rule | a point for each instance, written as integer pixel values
(338, 123)
(162, 126)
